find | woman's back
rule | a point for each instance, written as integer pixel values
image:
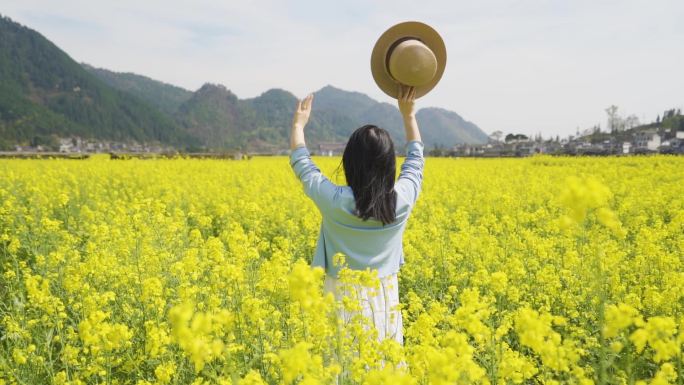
(365, 243)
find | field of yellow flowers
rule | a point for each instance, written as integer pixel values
(540, 270)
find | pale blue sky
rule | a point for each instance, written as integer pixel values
(516, 66)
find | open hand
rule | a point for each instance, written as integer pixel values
(406, 99)
(303, 111)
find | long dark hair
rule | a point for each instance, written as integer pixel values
(370, 169)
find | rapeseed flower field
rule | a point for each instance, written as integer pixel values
(540, 270)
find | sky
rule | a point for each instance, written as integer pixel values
(530, 66)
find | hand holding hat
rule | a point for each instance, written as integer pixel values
(406, 96)
(409, 53)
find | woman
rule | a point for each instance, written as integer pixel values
(365, 220)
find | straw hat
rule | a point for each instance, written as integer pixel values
(410, 53)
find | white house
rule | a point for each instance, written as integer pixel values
(647, 140)
(330, 149)
(625, 147)
(66, 145)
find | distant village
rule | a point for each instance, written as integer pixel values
(646, 141)
(80, 145)
(636, 141)
(625, 137)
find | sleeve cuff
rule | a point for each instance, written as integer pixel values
(414, 145)
(299, 152)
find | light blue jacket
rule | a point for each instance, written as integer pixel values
(366, 244)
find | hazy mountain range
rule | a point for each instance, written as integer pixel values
(45, 94)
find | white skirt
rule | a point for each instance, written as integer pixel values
(379, 305)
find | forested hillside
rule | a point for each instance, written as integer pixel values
(44, 94)
(166, 97)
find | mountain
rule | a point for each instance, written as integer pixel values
(214, 115)
(345, 111)
(45, 94)
(440, 127)
(263, 122)
(349, 110)
(352, 104)
(272, 116)
(165, 97)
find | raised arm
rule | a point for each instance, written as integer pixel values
(406, 100)
(316, 185)
(299, 120)
(411, 176)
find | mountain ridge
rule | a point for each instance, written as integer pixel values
(165, 96)
(46, 95)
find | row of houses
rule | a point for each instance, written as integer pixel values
(644, 141)
(650, 140)
(79, 145)
(641, 142)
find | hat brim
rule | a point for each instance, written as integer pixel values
(415, 29)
